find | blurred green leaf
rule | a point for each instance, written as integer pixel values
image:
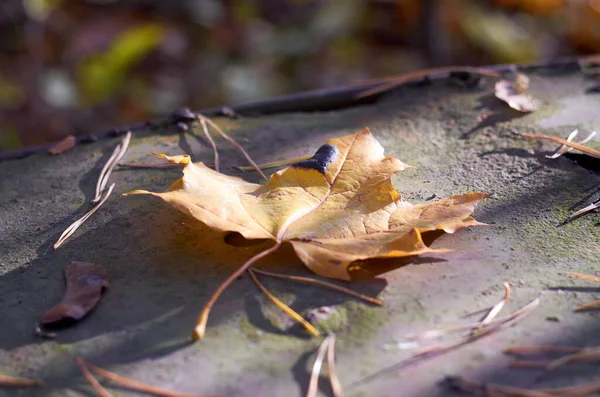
(101, 76)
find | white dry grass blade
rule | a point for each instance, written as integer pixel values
(112, 162)
(75, 225)
(316, 369)
(336, 386)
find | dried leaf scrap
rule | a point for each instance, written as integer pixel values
(335, 208)
(85, 283)
(515, 94)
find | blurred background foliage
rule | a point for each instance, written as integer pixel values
(75, 66)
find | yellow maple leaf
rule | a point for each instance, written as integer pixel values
(335, 208)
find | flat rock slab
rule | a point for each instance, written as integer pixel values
(163, 265)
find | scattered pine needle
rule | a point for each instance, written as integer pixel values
(316, 369)
(396, 81)
(325, 284)
(132, 384)
(434, 350)
(566, 149)
(102, 392)
(114, 159)
(496, 390)
(12, 381)
(234, 143)
(584, 149)
(574, 354)
(288, 310)
(212, 142)
(274, 164)
(200, 328)
(585, 276)
(336, 386)
(521, 350)
(75, 225)
(591, 305)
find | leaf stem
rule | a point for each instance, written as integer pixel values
(203, 318)
(288, 310)
(325, 284)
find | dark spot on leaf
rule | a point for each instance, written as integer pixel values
(335, 261)
(324, 156)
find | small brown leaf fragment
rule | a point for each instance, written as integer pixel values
(85, 282)
(66, 144)
(514, 94)
(6, 380)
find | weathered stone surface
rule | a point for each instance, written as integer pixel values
(162, 266)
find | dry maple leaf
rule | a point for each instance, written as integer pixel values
(335, 208)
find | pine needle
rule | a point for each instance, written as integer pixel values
(396, 81)
(565, 149)
(316, 369)
(212, 142)
(75, 225)
(587, 354)
(584, 149)
(588, 306)
(325, 284)
(114, 159)
(498, 306)
(274, 164)
(134, 385)
(520, 350)
(585, 276)
(150, 165)
(200, 328)
(288, 310)
(336, 386)
(102, 392)
(234, 143)
(12, 381)
(583, 211)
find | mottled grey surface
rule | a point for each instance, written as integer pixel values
(163, 266)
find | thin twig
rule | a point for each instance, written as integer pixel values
(392, 82)
(75, 225)
(336, 386)
(316, 369)
(234, 143)
(200, 328)
(288, 310)
(12, 381)
(212, 142)
(102, 392)
(274, 164)
(325, 284)
(135, 385)
(114, 159)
